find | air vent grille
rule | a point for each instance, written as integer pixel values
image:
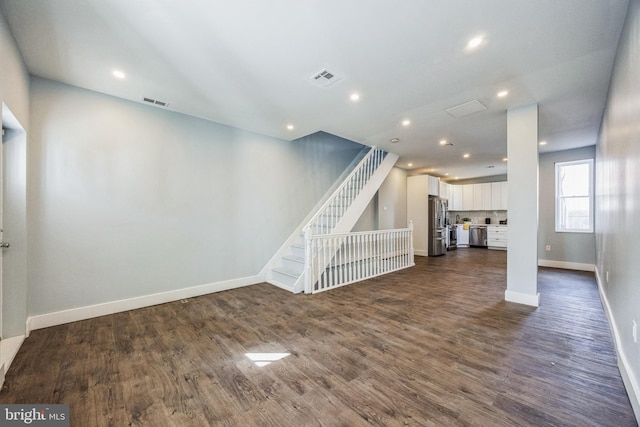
(325, 78)
(466, 109)
(155, 102)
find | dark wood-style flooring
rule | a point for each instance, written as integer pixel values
(434, 345)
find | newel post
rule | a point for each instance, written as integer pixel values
(308, 277)
(411, 257)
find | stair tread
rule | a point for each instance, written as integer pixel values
(285, 271)
(294, 258)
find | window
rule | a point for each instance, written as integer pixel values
(574, 196)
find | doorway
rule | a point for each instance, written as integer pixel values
(13, 246)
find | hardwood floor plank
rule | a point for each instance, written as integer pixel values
(428, 346)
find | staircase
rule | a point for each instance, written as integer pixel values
(337, 215)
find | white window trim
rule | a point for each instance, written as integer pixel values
(590, 162)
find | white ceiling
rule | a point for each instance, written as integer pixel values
(247, 63)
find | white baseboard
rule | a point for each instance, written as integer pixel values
(522, 298)
(91, 311)
(629, 380)
(419, 252)
(8, 349)
(566, 265)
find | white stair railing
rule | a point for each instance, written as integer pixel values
(328, 216)
(334, 260)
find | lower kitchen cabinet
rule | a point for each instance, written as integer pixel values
(497, 237)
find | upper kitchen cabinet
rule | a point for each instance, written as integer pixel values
(499, 196)
(490, 196)
(481, 197)
(468, 197)
(445, 192)
(434, 185)
(455, 199)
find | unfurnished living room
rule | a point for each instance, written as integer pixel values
(341, 213)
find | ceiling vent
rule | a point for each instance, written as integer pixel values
(466, 109)
(324, 78)
(155, 102)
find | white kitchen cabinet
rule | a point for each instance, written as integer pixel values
(497, 236)
(434, 185)
(456, 191)
(482, 197)
(468, 198)
(445, 192)
(463, 235)
(499, 196)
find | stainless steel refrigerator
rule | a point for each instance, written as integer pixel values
(437, 234)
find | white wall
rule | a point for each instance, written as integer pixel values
(14, 96)
(565, 247)
(392, 201)
(14, 79)
(128, 200)
(618, 201)
(392, 195)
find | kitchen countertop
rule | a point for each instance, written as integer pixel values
(486, 225)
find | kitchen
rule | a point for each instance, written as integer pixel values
(473, 215)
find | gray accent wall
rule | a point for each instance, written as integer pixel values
(128, 200)
(618, 201)
(565, 247)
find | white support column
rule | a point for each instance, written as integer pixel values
(522, 255)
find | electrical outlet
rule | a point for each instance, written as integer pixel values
(634, 331)
(548, 248)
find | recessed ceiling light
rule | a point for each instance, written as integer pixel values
(503, 93)
(466, 155)
(443, 142)
(475, 42)
(290, 127)
(406, 122)
(504, 159)
(394, 140)
(455, 177)
(354, 97)
(446, 174)
(543, 142)
(119, 74)
(410, 164)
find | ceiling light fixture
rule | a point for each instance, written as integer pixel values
(465, 155)
(119, 74)
(543, 142)
(394, 140)
(406, 122)
(446, 174)
(354, 97)
(410, 164)
(443, 142)
(475, 42)
(290, 127)
(504, 159)
(503, 93)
